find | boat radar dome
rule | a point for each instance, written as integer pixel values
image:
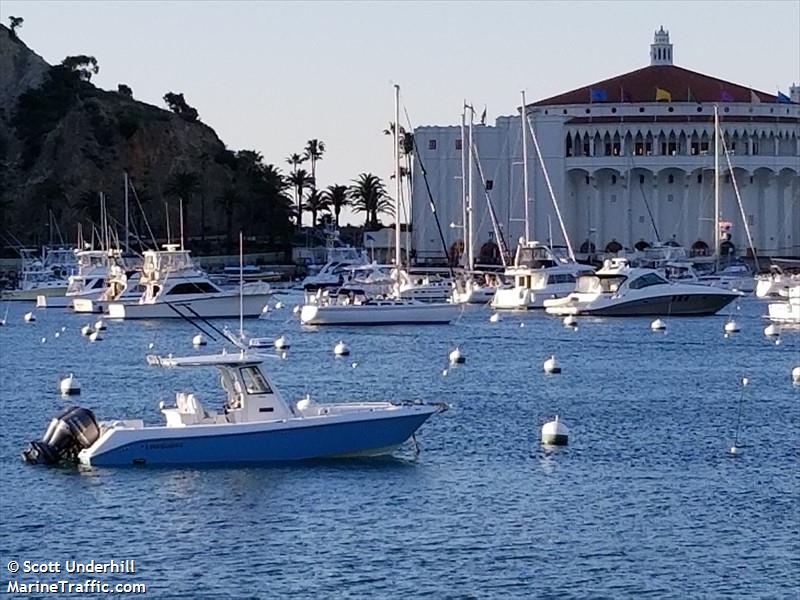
(555, 433)
(69, 386)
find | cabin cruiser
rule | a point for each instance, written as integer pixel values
(537, 275)
(776, 283)
(121, 286)
(47, 276)
(174, 287)
(733, 277)
(254, 425)
(332, 273)
(621, 290)
(425, 288)
(353, 307)
(787, 311)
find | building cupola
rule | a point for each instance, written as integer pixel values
(661, 49)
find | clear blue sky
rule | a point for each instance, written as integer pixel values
(271, 75)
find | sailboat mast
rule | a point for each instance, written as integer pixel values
(241, 286)
(463, 177)
(470, 205)
(127, 218)
(397, 257)
(716, 188)
(523, 120)
(180, 203)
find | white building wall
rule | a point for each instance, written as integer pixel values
(605, 197)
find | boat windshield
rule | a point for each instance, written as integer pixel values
(254, 381)
(535, 257)
(607, 284)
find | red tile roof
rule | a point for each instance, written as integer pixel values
(641, 86)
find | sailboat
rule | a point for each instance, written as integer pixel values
(353, 307)
(537, 274)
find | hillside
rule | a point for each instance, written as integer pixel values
(63, 140)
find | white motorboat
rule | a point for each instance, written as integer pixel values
(255, 425)
(471, 291)
(733, 277)
(121, 286)
(621, 290)
(776, 283)
(350, 307)
(537, 275)
(425, 288)
(47, 276)
(175, 288)
(787, 311)
(340, 259)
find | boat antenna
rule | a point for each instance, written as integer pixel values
(144, 215)
(429, 193)
(180, 209)
(550, 189)
(241, 286)
(166, 210)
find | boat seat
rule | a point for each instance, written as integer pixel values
(191, 409)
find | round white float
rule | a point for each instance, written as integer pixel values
(456, 357)
(771, 330)
(282, 343)
(69, 386)
(555, 433)
(658, 325)
(731, 327)
(551, 366)
(86, 330)
(494, 318)
(199, 340)
(99, 325)
(95, 337)
(570, 321)
(796, 375)
(29, 317)
(341, 349)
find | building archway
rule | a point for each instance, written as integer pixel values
(699, 248)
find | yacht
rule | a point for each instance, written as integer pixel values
(353, 307)
(776, 283)
(174, 287)
(733, 277)
(787, 311)
(47, 276)
(340, 259)
(121, 286)
(470, 290)
(537, 275)
(253, 425)
(621, 290)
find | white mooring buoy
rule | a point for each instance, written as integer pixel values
(658, 325)
(551, 366)
(772, 330)
(731, 327)
(86, 330)
(29, 317)
(456, 357)
(796, 375)
(522, 324)
(278, 305)
(282, 343)
(99, 325)
(570, 321)
(199, 340)
(494, 318)
(95, 337)
(296, 309)
(69, 386)
(555, 433)
(341, 349)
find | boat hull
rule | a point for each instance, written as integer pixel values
(267, 442)
(33, 293)
(211, 307)
(414, 314)
(673, 305)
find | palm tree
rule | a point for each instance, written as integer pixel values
(300, 179)
(295, 160)
(316, 203)
(229, 200)
(368, 195)
(183, 185)
(314, 150)
(337, 198)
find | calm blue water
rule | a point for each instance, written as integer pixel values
(645, 501)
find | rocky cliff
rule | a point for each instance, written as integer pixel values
(63, 140)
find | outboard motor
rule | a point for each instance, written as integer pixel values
(70, 431)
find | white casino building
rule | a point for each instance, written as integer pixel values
(615, 161)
